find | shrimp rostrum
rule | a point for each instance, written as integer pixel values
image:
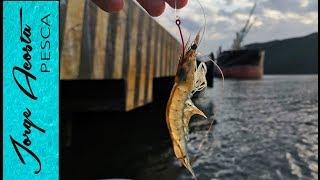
(180, 108)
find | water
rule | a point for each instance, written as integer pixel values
(266, 129)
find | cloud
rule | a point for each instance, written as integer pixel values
(273, 19)
(307, 18)
(304, 3)
(216, 36)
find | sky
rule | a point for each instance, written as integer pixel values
(274, 19)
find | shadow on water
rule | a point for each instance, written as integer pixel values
(133, 145)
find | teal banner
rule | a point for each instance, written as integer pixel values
(30, 90)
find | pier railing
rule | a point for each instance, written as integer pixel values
(127, 47)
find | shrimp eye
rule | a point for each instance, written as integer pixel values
(194, 47)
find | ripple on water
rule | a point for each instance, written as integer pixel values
(261, 125)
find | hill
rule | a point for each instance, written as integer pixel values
(290, 56)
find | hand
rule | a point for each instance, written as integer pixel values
(153, 7)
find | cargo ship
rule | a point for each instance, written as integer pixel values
(239, 62)
(242, 64)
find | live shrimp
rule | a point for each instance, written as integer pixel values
(180, 108)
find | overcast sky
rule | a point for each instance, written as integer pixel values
(275, 19)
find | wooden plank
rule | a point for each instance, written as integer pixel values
(100, 44)
(164, 58)
(155, 49)
(138, 58)
(140, 54)
(171, 56)
(87, 40)
(168, 55)
(170, 60)
(174, 56)
(167, 66)
(71, 51)
(178, 54)
(131, 77)
(151, 59)
(62, 17)
(143, 50)
(159, 53)
(119, 44)
(126, 48)
(163, 52)
(111, 45)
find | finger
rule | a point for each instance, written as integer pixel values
(177, 3)
(153, 7)
(110, 5)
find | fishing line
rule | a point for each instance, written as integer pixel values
(175, 9)
(178, 23)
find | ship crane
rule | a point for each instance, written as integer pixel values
(244, 31)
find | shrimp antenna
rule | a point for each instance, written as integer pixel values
(211, 124)
(205, 20)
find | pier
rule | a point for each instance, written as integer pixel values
(110, 61)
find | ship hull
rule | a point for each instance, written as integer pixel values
(243, 72)
(242, 64)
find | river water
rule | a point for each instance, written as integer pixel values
(266, 129)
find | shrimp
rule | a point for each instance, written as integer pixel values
(180, 108)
